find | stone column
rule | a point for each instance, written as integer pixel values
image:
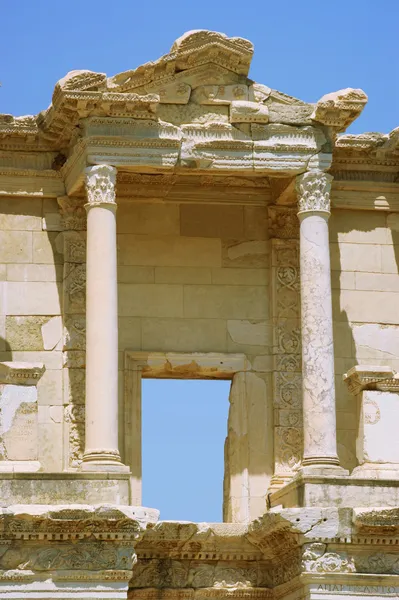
(318, 389)
(101, 449)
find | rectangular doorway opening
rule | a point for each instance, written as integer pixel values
(184, 427)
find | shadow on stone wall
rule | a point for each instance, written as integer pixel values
(346, 354)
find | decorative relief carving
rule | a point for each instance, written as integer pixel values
(368, 377)
(100, 185)
(313, 189)
(75, 289)
(73, 213)
(74, 417)
(283, 222)
(340, 109)
(287, 380)
(317, 560)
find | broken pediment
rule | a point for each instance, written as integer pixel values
(194, 107)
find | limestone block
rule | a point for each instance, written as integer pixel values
(168, 251)
(392, 224)
(255, 333)
(344, 280)
(182, 275)
(150, 300)
(358, 227)
(34, 272)
(347, 420)
(232, 276)
(148, 219)
(381, 282)
(368, 307)
(131, 274)
(242, 111)
(49, 387)
(225, 301)
(52, 222)
(15, 246)
(389, 260)
(342, 333)
(4, 344)
(353, 257)
(262, 363)
(51, 447)
(25, 333)
(51, 360)
(18, 423)
(3, 272)
(378, 440)
(290, 114)
(256, 223)
(184, 335)
(50, 205)
(52, 333)
(373, 340)
(249, 447)
(21, 214)
(212, 220)
(32, 298)
(346, 448)
(129, 329)
(252, 254)
(46, 250)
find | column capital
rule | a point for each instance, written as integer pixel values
(100, 185)
(313, 190)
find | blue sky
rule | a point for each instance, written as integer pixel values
(184, 428)
(305, 48)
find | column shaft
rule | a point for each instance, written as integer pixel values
(101, 451)
(319, 419)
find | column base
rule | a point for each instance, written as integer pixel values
(103, 461)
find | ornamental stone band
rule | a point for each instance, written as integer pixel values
(318, 389)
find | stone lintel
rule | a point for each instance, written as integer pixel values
(177, 365)
(369, 377)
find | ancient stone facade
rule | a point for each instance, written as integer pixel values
(180, 220)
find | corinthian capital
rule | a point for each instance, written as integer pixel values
(313, 189)
(100, 185)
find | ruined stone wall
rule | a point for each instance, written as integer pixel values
(365, 282)
(31, 326)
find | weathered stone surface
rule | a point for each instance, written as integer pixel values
(18, 428)
(32, 298)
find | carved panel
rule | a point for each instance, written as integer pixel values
(74, 342)
(287, 380)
